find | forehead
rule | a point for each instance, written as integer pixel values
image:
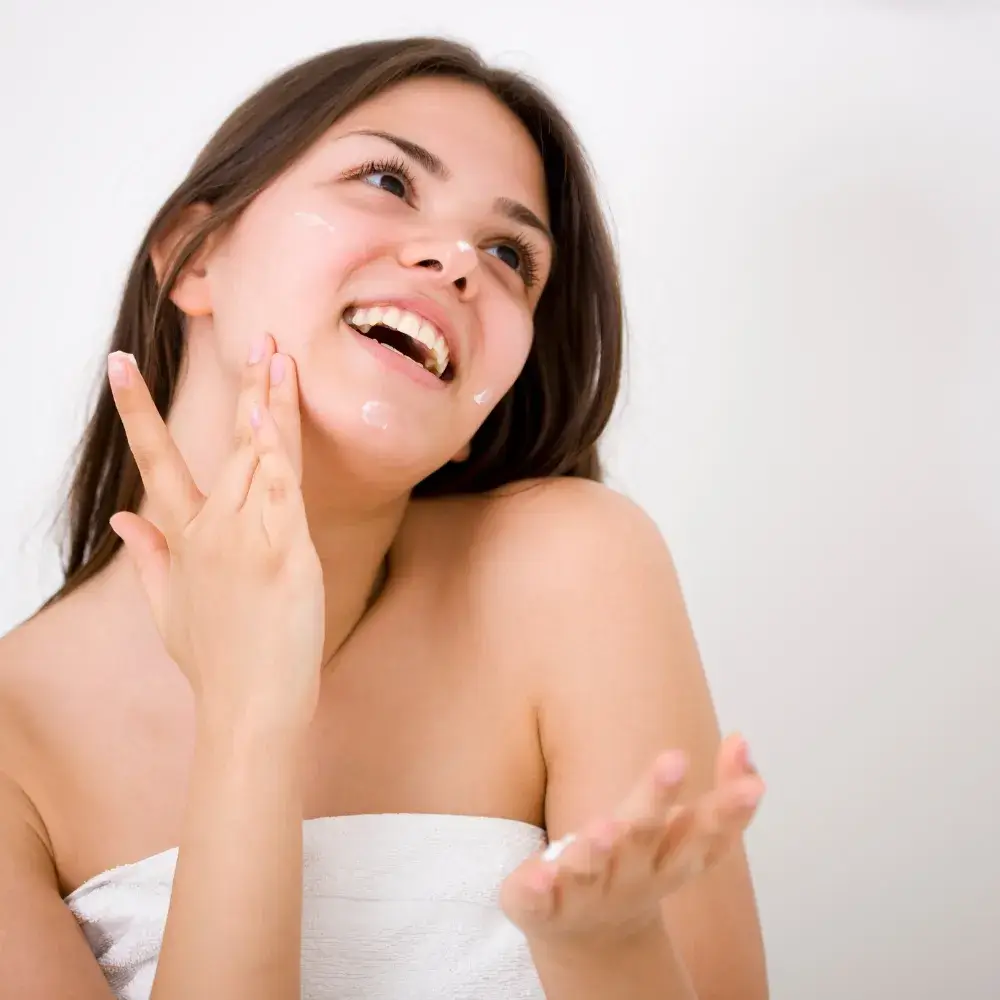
(481, 141)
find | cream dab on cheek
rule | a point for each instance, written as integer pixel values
(482, 397)
(375, 414)
(314, 221)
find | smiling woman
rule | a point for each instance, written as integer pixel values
(275, 733)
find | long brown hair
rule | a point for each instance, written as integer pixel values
(550, 421)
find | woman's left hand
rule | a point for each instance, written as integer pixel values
(609, 879)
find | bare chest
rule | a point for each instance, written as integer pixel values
(398, 729)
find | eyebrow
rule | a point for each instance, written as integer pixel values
(434, 165)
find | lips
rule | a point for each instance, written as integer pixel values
(408, 333)
(429, 312)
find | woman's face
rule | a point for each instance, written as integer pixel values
(399, 262)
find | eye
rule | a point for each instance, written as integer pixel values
(520, 257)
(391, 176)
(508, 255)
(387, 182)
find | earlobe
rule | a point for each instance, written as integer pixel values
(190, 292)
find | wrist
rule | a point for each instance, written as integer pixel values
(639, 962)
(602, 943)
(239, 749)
(248, 728)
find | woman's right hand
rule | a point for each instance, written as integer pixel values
(233, 579)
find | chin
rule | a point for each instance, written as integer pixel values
(372, 439)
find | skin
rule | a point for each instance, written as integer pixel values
(569, 721)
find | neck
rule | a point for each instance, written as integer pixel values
(351, 526)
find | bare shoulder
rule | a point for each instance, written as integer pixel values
(57, 691)
(37, 674)
(26, 658)
(584, 596)
(20, 713)
(578, 587)
(534, 533)
(577, 513)
(42, 949)
(594, 589)
(30, 699)
(569, 562)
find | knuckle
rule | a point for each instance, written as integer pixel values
(251, 376)
(280, 487)
(277, 492)
(146, 458)
(242, 438)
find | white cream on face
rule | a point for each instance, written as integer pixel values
(375, 414)
(313, 220)
(482, 397)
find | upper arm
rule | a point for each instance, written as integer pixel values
(43, 952)
(621, 681)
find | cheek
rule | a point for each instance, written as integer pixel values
(505, 349)
(283, 273)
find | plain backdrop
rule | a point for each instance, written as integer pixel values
(806, 203)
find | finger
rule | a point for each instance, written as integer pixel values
(733, 760)
(274, 496)
(584, 854)
(165, 476)
(703, 833)
(147, 548)
(229, 492)
(284, 406)
(652, 797)
(254, 386)
(530, 892)
(585, 864)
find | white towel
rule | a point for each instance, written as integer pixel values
(396, 907)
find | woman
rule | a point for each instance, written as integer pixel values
(381, 318)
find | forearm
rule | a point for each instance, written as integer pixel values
(234, 926)
(642, 967)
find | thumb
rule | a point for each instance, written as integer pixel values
(147, 548)
(733, 760)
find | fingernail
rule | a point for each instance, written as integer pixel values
(671, 769)
(255, 416)
(277, 369)
(751, 796)
(257, 350)
(120, 368)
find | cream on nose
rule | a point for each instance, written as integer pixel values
(460, 259)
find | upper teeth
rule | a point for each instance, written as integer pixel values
(414, 326)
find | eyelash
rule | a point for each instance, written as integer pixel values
(528, 258)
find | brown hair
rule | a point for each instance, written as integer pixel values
(550, 421)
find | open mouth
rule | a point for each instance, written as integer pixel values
(407, 334)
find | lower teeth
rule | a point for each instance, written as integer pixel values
(428, 366)
(396, 350)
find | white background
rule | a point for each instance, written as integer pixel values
(807, 201)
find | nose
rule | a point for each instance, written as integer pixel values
(452, 261)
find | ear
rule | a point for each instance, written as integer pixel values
(463, 453)
(190, 293)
